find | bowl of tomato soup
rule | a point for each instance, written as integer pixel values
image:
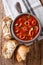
(25, 28)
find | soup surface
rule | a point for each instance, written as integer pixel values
(26, 27)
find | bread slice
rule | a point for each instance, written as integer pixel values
(9, 48)
(21, 53)
(6, 22)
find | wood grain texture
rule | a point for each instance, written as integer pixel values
(41, 43)
(34, 57)
(1, 16)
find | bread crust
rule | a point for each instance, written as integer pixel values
(18, 57)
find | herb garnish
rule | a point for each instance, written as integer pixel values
(28, 16)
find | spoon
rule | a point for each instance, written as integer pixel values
(18, 7)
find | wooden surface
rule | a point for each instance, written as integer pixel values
(34, 57)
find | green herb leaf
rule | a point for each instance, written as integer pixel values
(28, 16)
(24, 18)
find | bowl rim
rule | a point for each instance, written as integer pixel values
(27, 41)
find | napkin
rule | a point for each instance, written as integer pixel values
(10, 10)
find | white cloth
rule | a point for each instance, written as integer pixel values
(10, 10)
(9, 6)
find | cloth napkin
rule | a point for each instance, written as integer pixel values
(10, 10)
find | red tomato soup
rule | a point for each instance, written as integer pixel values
(26, 27)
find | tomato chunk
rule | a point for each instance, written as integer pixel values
(17, 29)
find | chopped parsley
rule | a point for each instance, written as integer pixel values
(28, 16)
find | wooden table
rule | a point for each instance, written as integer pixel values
(35, 56)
